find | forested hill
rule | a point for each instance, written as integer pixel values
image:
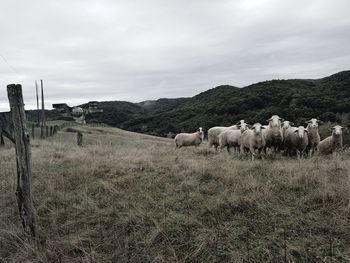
(293, 99)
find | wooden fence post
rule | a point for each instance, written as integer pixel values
(33, 131)
(24, 160)
(37, 104)
(51, 130)
(2, 142)
(43, 120)
(80, 139)
(42, 135)
(47, 131)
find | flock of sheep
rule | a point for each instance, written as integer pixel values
(278, 136)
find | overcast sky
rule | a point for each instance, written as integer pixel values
(147, 49)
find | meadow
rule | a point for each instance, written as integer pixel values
(128, 197)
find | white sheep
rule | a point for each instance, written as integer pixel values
(214, 132)
(332, 143)
(286, 125)
(296, 140)
(232, 138)
(273, 134)
(252, 140)
(313, 134)
(189, 139)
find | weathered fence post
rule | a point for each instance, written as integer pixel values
(37, 104)
(51, 130)
(47, 131)
(24, 160)
(2, 142)
(42, 132)
(80, 139)
(33, 131)
(43, 120)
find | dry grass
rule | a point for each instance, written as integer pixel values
(127, 197)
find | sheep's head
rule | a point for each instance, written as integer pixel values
(337, 130)
(301, 131)
(257, 128)
(275, 121)
(313, 123)
(201, 133)
(287, 124)
(240, 122)
(243, 127)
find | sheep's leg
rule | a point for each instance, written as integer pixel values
(228, 149)
(298, 154)
(334, 154)
(311, 151)
(288, 154)
(276, 150)
(242, 149)
(252, 151)
(273, 152)
(216, 147)
(219, 148)
(260, 154)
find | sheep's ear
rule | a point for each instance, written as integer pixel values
(282, 120)
(291, 123)
(262, 127)
(319, 122)
(307, 122)
(296, 131)
(306, 131)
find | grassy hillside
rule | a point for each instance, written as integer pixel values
(127, 197)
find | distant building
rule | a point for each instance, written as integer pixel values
(78, 113)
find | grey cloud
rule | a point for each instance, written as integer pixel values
(139, 50)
